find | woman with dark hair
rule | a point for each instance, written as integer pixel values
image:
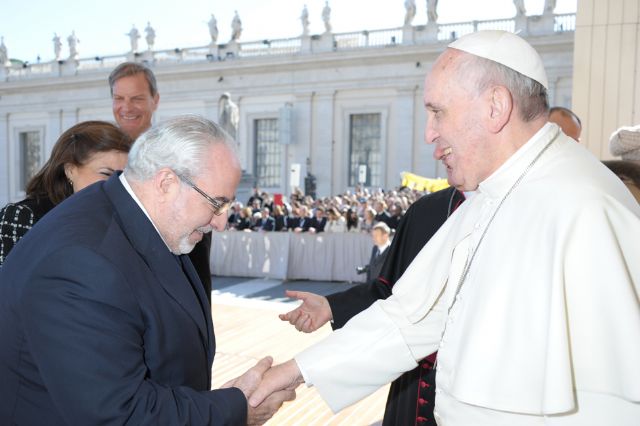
(352, 220)
(86, 153)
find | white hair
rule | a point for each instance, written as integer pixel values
(529, 96)
(179, 143)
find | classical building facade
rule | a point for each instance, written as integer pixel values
(324, 104)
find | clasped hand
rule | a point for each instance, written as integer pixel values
(265, 389)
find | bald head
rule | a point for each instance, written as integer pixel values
(567, 120)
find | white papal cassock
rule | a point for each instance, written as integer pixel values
(546, 328)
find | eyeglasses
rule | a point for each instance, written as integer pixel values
(219, 204)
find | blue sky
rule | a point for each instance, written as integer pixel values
(28, 27)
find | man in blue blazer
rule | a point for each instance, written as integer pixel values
(103, 319)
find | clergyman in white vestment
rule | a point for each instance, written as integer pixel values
(529, 291)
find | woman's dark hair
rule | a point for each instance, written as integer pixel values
(352, 219)
(75, 146)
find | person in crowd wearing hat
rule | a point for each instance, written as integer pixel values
(625, 142)
(568, 121)
(532, 323)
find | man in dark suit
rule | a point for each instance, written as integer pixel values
(318, 221)
(103, 318)
(380, 235)
(135, 98)
(382, 215)
(304, 221)
(268, 223)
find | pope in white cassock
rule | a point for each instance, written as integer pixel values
(529, 292)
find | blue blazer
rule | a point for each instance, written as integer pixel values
(101, 324)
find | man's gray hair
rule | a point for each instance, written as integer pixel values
(529, 96)
(180, 143)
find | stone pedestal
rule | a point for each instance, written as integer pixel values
(428, 33)
(69, 67)
(232, 49)
(214, 52)
(305, 44)
(539, 25)
(324, 43)
(521, 25)
(4, 72)
(407, 34)
(146, 56)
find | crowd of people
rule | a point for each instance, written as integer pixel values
(352, 211)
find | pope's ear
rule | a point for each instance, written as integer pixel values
(500, 108)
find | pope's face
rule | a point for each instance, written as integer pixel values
(133, 106)
(454, 111)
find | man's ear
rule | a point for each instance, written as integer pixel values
(166, 184)
(500, 108)
(156, 101)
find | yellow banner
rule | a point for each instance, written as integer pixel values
(420, 183)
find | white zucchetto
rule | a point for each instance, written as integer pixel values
(507, 49)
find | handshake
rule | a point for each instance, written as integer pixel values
(267, 387)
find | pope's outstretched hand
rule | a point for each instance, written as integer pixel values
(314, 312)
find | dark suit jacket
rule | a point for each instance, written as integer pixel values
(375, 263)
(386, 218)
(317, 224)
(300, 222)
(268, 224)
(280, 222)
(199, 257)
(100, 323)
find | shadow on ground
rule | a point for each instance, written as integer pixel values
(272, 290)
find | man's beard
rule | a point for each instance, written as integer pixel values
(185, 246)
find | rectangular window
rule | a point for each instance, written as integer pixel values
(268, 167)
(30, 156)
(364, 148)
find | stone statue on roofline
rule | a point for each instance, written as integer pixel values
(304, 19)
(73, 41)
(236, 27)
(134, 35)
(410, 12)
(520, 9)
(57, 47)
(432, 11)
(150, 36)
(213, 29)
(549, 7)
(4, 54)
(326, 17)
